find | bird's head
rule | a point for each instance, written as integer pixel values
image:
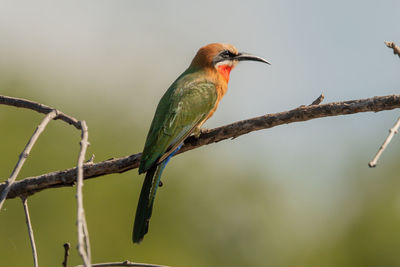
(222, 58)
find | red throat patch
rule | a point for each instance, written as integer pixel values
(225, 70)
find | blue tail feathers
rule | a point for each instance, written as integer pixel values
(171, 155)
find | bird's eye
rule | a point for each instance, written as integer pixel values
(226, 54)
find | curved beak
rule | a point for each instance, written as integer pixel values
(249, 57)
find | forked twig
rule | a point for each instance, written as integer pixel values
(30, 231)
(83, 235)
(394, 130)
(24, 155)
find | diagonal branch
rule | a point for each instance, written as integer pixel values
(67, 177)
(28, 104)
(30, 231)
(24, 155)
(392, 131)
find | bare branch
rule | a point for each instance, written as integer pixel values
(83, 234)
(67, 177)
(51, 114)
(396, 49)
(395, 128)
(124, 263)
(83, 238)
(30, 231)
(392, 132)
(24, 103)
(24, 155)
(67, 246)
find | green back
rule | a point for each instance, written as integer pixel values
(186, 103)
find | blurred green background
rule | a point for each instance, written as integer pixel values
(295, 195)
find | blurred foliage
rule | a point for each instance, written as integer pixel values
(210, 212)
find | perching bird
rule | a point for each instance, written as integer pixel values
(187, 104)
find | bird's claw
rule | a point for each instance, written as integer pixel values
(204, 130)
(199, 132)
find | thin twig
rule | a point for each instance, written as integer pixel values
(124, 263)
(318, 100)
(67, 246)
(24, 155)
(396, 49)
(24, 103)
(91, 160)
(86, 237)
(30, 231)
(394, 130)
(83, 235)
(32, 185)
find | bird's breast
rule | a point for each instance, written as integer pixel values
(224, 70)
(221, 90)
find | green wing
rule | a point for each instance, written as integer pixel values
(182, 108)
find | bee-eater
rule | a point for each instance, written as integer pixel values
(191, 99)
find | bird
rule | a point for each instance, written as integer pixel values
(190, 101)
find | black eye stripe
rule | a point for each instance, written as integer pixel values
(227, 54)
(224, 55)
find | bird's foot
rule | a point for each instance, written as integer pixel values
(199, 131)
(204, 130)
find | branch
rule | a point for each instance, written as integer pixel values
(24, 155)
(83, 234)
(30, 231)
(124, 263)
(28, 104)
(32, 185)
(51, 113)
(395, 128)
(396, 49)
(392, 132)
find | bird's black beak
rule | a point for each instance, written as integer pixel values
(249, 57)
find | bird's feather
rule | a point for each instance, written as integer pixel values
(185, 106)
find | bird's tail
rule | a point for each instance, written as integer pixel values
(146, 200)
